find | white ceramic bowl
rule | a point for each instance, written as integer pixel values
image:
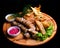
(8, 31)
(8, 19)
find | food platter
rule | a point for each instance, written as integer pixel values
(29, 41)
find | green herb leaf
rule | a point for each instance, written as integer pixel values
(49, 30)
(17, 15)
(44, 37)
(50, 27)
(39, 34)
(26, 9)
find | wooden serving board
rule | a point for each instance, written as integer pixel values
(31, 42)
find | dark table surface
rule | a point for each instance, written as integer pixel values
(13, 6)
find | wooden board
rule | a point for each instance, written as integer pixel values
(31, 42)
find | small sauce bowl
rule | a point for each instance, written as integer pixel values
(10, 17)
(13, 31)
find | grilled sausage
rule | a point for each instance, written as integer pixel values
(41, 27)
(26, 22)
(24, 28)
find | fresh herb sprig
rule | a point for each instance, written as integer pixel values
(26, 9)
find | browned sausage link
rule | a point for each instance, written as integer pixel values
(27, 35)
(24, 28)
(15, 23)
(21, 26)
(32, 31)
(26, 22)
(41, 28)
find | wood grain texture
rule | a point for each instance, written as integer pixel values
(31, 42)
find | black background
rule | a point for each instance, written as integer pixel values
(12, 6)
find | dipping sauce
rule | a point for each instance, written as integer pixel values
(14, 31)
(10, 17)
